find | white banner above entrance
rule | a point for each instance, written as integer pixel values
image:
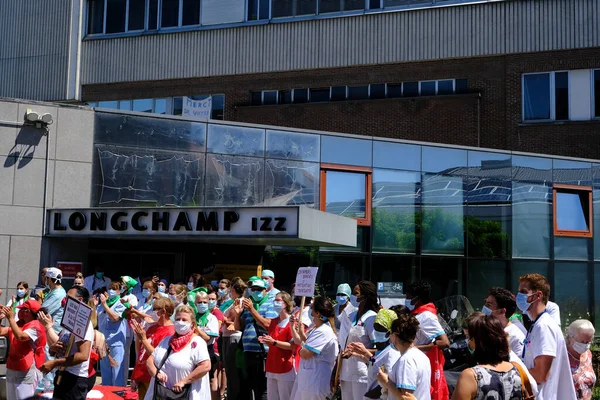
(250, 225)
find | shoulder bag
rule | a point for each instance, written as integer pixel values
(525, 384)
(163, 393)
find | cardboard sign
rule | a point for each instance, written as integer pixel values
(197, 109)
(305, 281)
(69, 269)
(76, 317)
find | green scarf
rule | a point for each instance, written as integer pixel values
(226, 305)
(111, 302)
(14, 304)
(260, 303)
(191, 301)
(202, 320)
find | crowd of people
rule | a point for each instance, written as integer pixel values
(245, 339)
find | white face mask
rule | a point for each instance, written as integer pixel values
(581, 347)
(183, 327)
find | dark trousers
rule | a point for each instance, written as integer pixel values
(257, 380)
(71, 387)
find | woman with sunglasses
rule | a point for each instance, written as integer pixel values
(163, 308)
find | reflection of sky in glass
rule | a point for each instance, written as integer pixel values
(439, 159)
(536, 96)
(569, 212)
(345, 186)
(396, 155)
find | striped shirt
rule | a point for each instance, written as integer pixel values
(249, 337)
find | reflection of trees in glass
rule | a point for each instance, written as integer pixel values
(394, 230)
(486, 239)
(442, 230)
(573, 308)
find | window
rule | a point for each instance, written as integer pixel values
(319, 95)
(572, 210)
(300, 95)
(169, 13)
(460, 86)
(115, 16)
(596, 91)
(270, 97)
(346, 191)
(142, 105)
(285, 97)
(358, 92)
(546, 96)
(377, 91)
(95, 16)
(338, 93)
(394, 90)
(259, 9)
(255, 98)
(328, 6)
(445, 87)
(165, 106)
(427, 88)
(410, 89)
(191, 13)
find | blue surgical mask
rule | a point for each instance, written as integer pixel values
(522, 302)
(258, 296)
(152, 314)
(112, 293)
(202, 307)
(99, 275)
(190, 286)
(278, 306)
(410, 306)
(146, 293)
(212, 304)
(354, 301)
(341, 299)
(20, 293)
(161, 289)
(486, 310)
(222, 292)
(380, 337)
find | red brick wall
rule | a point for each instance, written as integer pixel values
(489, 117)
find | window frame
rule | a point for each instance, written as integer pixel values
(593, 93)
(582, 190)
(367, 171)
(104, 15)
(552, 94)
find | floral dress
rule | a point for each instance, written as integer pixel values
(494, 385)
(584, 377)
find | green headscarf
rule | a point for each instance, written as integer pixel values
(385, 318)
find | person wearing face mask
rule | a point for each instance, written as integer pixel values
(580, 336)
(254, 322)
(431, 337)
(149, 339)
(318, 352)
(353, 373)
(545, 351)
(280, 370)
(223, 296)
(130, 301)
(96, 281)
(40, 290)
(162, 288)
(181, 362)
(19, 298)
(144, 310)
(194, 281)
(343, 309)
(178, 294)
(217, 384)
(501, 303)
(269, 277)
(385, 356)
(112, 323)
(208, 329)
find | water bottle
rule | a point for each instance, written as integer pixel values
(47, 384)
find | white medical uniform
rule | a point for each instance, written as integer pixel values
(429, 328)
(516, 338)
(546, 339)
(314, 373)
(513, 357)
(353, 374)
(554, 311)
(388, 357)
(412, 372)
(211, 328)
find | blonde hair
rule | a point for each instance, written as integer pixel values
(200, 295)
(187, 310)
(93, 316)
(181, 291)
(580, 325)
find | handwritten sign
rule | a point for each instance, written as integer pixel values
(197, 109)
(305, 281)
(76, 317)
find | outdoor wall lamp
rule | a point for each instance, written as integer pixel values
(38, 121)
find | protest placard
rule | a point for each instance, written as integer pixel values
(76, 317)
(305, 281)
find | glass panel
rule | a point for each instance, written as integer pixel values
(218, 106)
(293, 146)
(571, 248)
(358, 92)
(561, 93)
(125, 105)
(444, 161)
(596, 90)
(153, 17)
(395, 3)
(291, 183)
(282, 8)
(572, 291)
(481, 276)
(536, 96)
(96, 17)
(265, 9)
(596, 210)
(137, 14)
(160, 106)
(353, 5)
(532, 169)
(115, 16)
(428, 88)
(444, 274)
(522, 267)
(392, 268)
(177, 105)
(285, 97)
(109, 104)
(394, 90)
(396, 155)
(461, 86)
(305, 7)
(300, 95)
(342, 150)
(345, 194)
(191, 12)
(142, 105)
(319, 95)
(572, 172)
(228, 139)
(269, 97)
(445, 87)
(158, 133)
(597, 285)
(341, 268)
(378, 91)
(255, 98)
(170, 13)
(572, 211)
(489, 208)
(395, 194)
(327, 6)
(149, 177)
(532, 216)
(338, 93)
(234, 180)
(410, 89)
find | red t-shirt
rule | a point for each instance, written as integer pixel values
(94, 358)
(280, 361)
(154, 334)
(219, 315)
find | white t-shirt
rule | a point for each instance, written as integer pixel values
(554, 311)
(181, 364)
(81, 370)
(514, 358)
(546, 339)
(516, 338)
(211, 328)
(519, 325)
(429, 328)
(387, 357)
(413, 372)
